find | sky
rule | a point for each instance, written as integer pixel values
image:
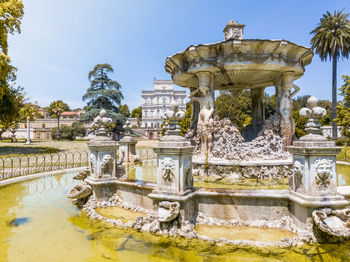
(61, 41)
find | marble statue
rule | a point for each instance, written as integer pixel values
(205, 123)
(287, 124)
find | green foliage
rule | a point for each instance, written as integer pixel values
(186, 122)
(78, 129)
(103, 93)
(10, 107)
(237, 107)
(29, 111)
(344, 107)
(57, 107)
(124, 110)
(67, 132)
(11, 13)
(137, 112)
(300, 123)
(331, 37)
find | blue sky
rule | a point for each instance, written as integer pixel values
(61, 41)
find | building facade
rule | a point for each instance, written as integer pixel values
(155, 102)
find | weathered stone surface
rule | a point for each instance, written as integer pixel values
(82, 190)
(168, 211)
(334, 224)
(228, 143)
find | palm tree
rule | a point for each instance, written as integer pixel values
(331, 39)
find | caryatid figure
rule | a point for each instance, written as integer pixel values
(287, 124)
(206, 101)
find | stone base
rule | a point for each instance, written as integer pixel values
(226, 170)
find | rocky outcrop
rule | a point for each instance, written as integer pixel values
(229, 144)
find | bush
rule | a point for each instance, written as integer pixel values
(67, 132)
(343, 141)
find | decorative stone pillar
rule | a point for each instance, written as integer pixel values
(127, 146)
(174, 166)
(28, 142)
(102, 150)
(314, 158)
(258, 110)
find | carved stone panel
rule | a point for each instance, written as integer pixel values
(324, 175)
(188, 179)
(106, 165)
(168, 165)
(297, 177)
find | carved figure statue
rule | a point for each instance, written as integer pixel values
(286, 108)
(168, 166)
(298, 172)
(92, 163)
(323, 172)
(205, 125)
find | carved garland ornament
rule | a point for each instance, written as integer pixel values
(323, 172)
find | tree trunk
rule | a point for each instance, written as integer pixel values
(334, 99)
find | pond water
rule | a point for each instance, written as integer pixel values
(147, 170)
(49, 228)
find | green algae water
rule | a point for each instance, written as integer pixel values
(38, 224)
(343, 177)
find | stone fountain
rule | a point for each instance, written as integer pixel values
(234, 65)
(313, 209)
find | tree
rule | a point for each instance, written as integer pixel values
(103, 93)
(124, 110)
(186, 122)
(11, 13)
(344, 107)
(137, 112)
(10, 106)
(331, 39)
(235, 106)
(55, 110)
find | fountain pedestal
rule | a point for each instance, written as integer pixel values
(127, 146)
(102, 159)
(313, 184)
(174, 172)
(314, 159)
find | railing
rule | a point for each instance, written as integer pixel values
(146, 153)
(26, 165)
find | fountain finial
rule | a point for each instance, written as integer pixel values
(174, 116)
(233, 30)
(313, 113)
(101, 123)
